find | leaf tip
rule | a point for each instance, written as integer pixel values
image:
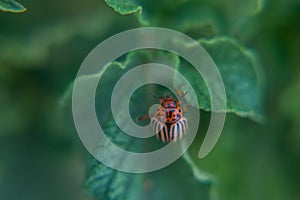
(12, 6)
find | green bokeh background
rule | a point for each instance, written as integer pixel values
(41, 156)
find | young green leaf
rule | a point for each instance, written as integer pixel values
(204, 18)
(176, 181)
(125, 7)
(241, 74)
(106, 183)
(11, 6)
(237, 66)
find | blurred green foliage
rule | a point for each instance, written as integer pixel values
(41, 50)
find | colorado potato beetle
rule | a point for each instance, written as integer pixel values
(168, 121)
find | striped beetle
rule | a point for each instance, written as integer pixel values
(168, 121)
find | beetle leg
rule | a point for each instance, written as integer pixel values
(144, 117)
(184, 109)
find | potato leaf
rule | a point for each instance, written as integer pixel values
(238, 68)
(125, 7)
(106, 183)
(203, 18)
(241, 74)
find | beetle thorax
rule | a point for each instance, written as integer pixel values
(168, 103)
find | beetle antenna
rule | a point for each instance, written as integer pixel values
(183, 96)
(155, 97)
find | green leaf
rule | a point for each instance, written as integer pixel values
(176, 181)
(241, 73)
(239, 13)
(125, 7)
(237, 67)
(172, 15)
(194, 18)
(106, 183)
(11, 6)
(202, 18)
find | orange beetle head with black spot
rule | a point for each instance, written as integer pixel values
(168, 102)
